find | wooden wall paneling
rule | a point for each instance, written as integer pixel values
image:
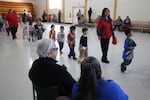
(19, 7)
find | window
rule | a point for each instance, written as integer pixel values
(55, 4)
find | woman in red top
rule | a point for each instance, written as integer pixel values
(12, 19)
(104, 32)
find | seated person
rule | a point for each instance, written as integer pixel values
(82, 20)
(118, 23)
(45, 72)
(92, 86)
(126, 24)
(54, 18)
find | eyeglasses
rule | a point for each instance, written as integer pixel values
(54, 48)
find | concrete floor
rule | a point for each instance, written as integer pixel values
(16, 57)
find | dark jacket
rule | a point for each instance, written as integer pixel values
(45, 73)
(104, 29)
(83, 41)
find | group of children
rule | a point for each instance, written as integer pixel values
(38, 29)
(33, 32)
(128, 52)
(71, 41)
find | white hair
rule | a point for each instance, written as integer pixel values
(44, 46)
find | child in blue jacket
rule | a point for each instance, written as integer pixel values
(128, 52)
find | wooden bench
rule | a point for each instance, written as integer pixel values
(142, 26)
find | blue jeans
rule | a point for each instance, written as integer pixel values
(72, 52)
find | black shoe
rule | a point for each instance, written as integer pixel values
(123, 69)
(105, 61)
(14, 38)
(74, 58)
(69, 56)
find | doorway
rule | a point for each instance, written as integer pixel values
(74, 13)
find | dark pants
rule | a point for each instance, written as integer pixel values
(7, 30)
(89, 19)
(39, 36)
(13, 31)
(72, 52)
(61, 44)
(117, 26)
(1, 26)
(59, 19)
(104, 47)
(126, 62)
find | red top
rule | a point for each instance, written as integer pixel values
(52, 35)
(105, 27)
(12, 19)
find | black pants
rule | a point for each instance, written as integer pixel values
(59, 19)
(7, 30)
(89, 19)
(125, 63)
(104, 47)
(61, 44)
(117, 26)
(13, 31)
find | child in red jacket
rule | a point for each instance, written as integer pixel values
(71, 42)
(52, 33)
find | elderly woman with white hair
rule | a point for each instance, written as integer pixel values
(46, 73)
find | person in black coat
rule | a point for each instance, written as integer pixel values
(45, 72)
(89, 14)
(59, 16)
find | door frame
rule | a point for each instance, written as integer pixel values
(73, 11)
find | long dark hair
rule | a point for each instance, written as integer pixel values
(103, 15)
(90, 72)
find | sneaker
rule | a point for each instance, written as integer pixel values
(123, 69)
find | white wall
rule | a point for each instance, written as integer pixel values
(137, 9)
(40, 6)
(98, 5)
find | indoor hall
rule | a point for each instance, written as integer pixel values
(17, 56)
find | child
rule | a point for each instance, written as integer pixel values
(71, 42)
(31, 32)
(128, 52)
(1, 23)
(7, 27)
(39, 29)
(83, 47)
(61, 38)
(52, 33)
(25, 30)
